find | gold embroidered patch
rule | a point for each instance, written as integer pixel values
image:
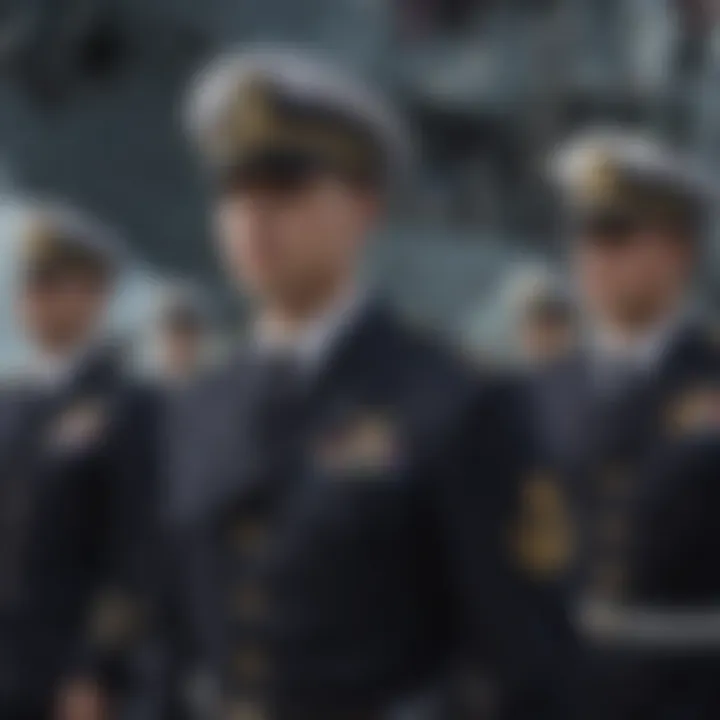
(544, 538)
(369, 442)
(600, 179)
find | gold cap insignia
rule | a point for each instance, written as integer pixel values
(40, 238)
(258, 120)
(600, 179)
(248, 121)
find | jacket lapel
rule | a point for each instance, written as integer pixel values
(231, 467)
(214, 462)
(23, 417)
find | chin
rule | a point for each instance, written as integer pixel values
(638, 316)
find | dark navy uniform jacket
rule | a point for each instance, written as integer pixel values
(76, 478)
(639, 477)
(343, 556)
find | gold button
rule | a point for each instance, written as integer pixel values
(251, 666)
(249, 603)
(614, 531)
(246, 710)
(616, 479)
(609, 579)
(249, 535)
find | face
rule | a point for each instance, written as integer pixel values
(290, 245)
(632, 276)
(60, 312)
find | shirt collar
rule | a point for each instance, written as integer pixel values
(644, 352)
(55, 371)
(311, 344)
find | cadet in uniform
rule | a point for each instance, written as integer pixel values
(629, 435)
(184, 332)
(338, 493)
(76, 448)
(544, 318)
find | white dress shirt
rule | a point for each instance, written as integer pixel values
(614, 355)
(52, 372)
(311, 343)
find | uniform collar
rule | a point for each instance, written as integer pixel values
(312, 344)
(55, 372)
(643, 353)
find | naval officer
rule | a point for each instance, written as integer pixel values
(628, 432)
(338, 494)
(77, 464)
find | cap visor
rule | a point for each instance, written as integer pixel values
(277, 168)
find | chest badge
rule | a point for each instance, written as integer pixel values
(79, 425)
(367, 442)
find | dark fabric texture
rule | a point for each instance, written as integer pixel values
(639, 471)
(77, 472)
(371, 536)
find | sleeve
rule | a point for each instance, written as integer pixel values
(674, 603)
(501, 624)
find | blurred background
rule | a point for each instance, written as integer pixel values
(91, 93)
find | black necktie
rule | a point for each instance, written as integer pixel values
(620, 405)
(278, 412)
(620, 377)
